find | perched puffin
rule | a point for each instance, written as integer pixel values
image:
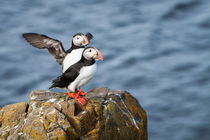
(55, 47)
(78, 74)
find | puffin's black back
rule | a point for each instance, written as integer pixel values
(71, 73)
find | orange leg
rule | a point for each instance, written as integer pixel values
(81, 92)
(76, 95)
(81, 100)
(71, 94)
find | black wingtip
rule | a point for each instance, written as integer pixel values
(89, 36)
(25, 35)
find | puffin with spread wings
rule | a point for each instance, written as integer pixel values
(67, 58)
(55, 47)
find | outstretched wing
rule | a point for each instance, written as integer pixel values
(40, 41)
(89, 36)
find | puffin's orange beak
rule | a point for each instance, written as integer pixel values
(98, 55)
(85, 41)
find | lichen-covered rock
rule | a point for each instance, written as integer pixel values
(11, 117)
(108, 115)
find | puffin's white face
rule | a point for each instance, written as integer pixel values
(92, 53)
(80, 40)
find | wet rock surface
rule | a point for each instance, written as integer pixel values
(108, 115)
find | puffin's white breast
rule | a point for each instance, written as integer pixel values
(86, 74)
(72, 58)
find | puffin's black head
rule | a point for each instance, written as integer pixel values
(91, 53)
(79, 39)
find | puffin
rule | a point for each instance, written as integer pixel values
(79, 74)
(55, 47)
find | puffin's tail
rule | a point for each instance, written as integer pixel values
(51, 86)
(57, 83)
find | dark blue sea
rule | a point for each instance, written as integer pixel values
(158, 50)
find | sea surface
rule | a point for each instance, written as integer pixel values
(158, 50)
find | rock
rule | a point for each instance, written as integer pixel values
(108, 115)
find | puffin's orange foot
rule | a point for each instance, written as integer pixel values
(71, 94)
(81, 92)
(82, 100)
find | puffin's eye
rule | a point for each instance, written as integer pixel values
(89, 50)
(77, 37)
